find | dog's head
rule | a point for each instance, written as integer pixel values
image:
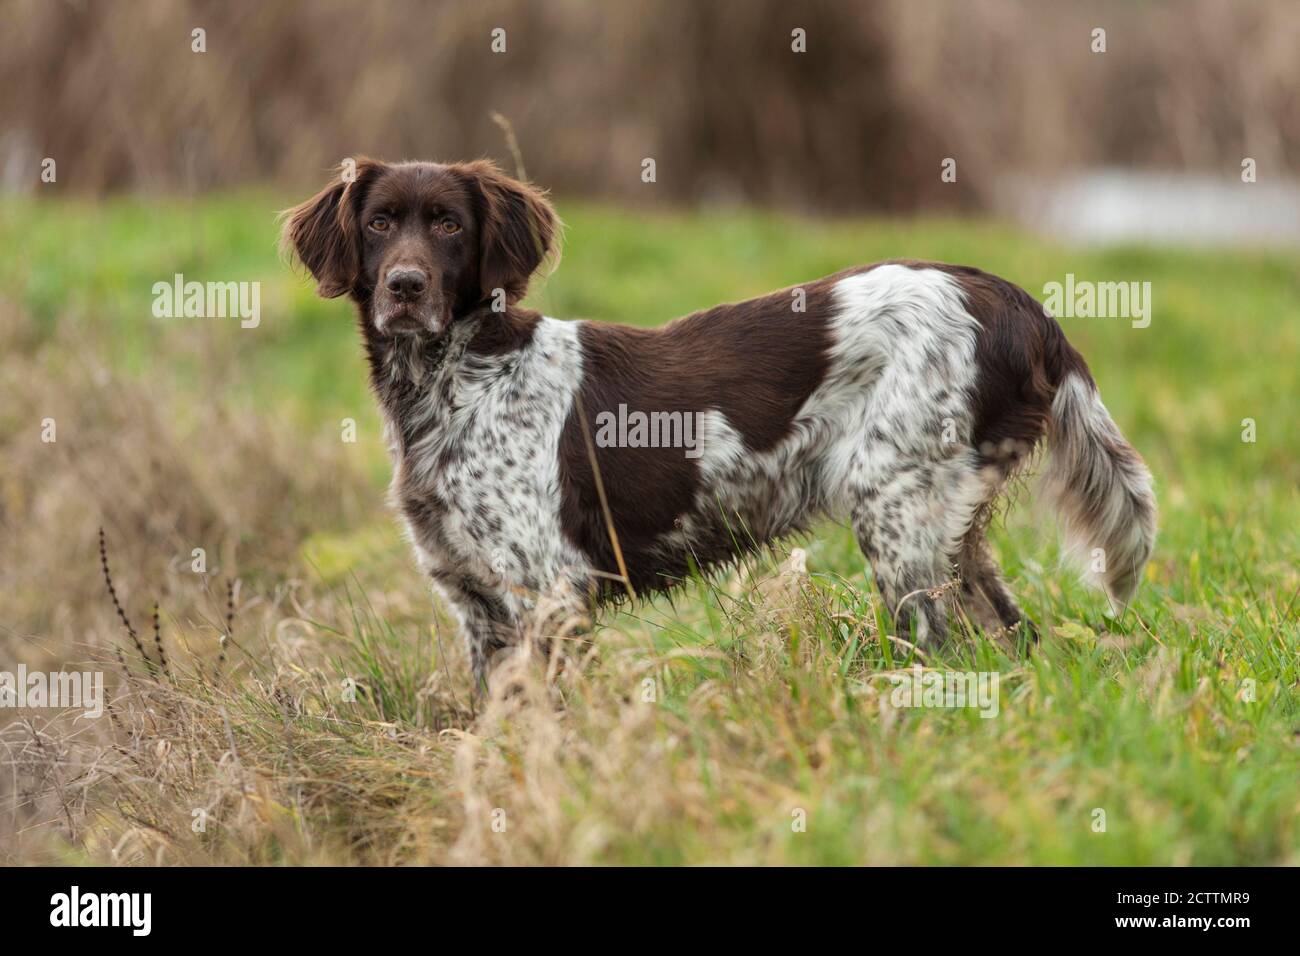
(419, 244)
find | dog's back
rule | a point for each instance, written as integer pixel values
(899, 397)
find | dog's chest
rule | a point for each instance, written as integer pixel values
(479, 486)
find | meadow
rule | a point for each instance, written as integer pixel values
(315, 708)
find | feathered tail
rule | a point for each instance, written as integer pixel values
(1101, 487)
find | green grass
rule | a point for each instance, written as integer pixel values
(1145, 718)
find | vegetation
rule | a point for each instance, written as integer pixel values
(747, 721)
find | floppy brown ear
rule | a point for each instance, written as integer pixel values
(323, 231)
(516, 229)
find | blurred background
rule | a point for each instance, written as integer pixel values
(1011, 89)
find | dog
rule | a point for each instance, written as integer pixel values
(899, 397)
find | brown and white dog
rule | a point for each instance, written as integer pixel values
(898, 396)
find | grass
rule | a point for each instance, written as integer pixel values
(747, 721)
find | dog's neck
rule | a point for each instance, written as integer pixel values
(415, 377)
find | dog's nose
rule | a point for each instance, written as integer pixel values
(406, 283)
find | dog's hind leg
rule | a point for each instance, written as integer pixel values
(984, 595)
(909, 525)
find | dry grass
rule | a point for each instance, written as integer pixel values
(267, 757)
(162, 475)
(254, 729)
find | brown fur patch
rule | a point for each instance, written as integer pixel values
(756, 362)
(508, 331)
(1021, 354)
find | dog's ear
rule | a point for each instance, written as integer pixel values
(517, 228)
(323, 230)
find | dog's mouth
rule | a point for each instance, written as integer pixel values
(408, 318)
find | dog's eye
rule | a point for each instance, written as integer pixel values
(379, 224)
(449, 227)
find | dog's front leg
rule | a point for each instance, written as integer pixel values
(489, 630)
(487, 623)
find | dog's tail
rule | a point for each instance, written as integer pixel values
(1100, 486)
